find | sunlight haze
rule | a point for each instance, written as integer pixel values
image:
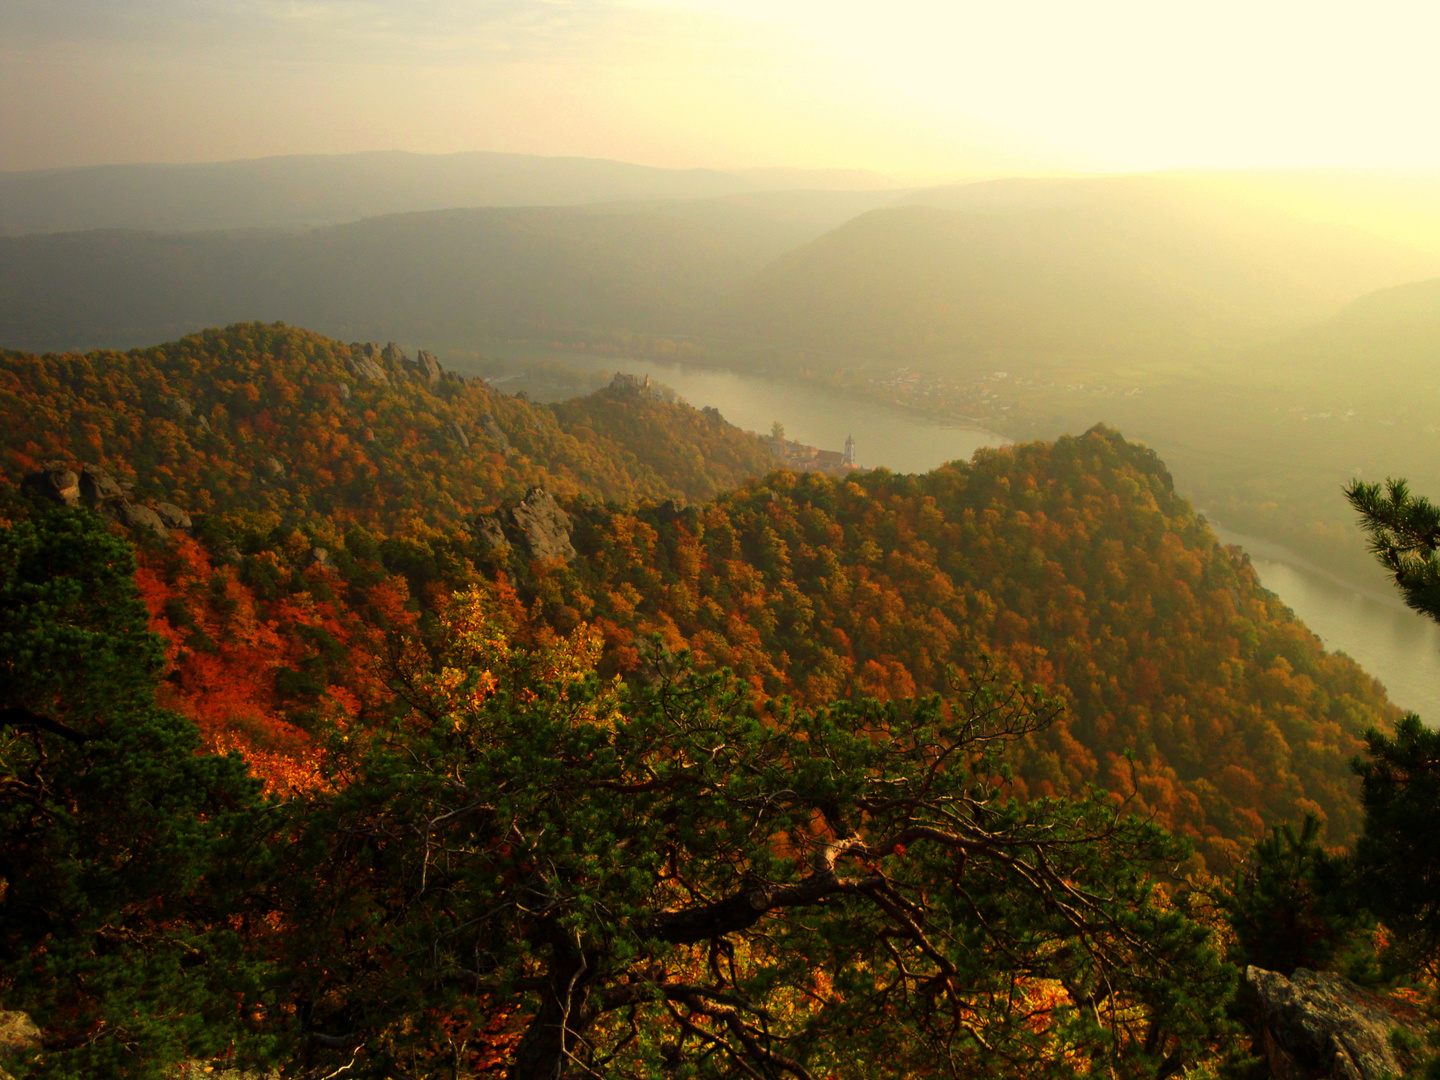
(913, 89)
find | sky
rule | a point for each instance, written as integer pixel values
(911, 88)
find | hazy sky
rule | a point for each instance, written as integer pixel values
(909, 87)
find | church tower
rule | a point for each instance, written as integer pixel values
(850, 450)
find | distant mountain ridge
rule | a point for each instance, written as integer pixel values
(1076, 266)
(987, 273)
(315, 189)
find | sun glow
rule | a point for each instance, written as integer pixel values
(911, 87)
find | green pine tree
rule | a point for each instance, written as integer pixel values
(123, 848)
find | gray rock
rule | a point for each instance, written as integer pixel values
(134, 516)
(181, 408)
(496, 435)
(97, 486)
(344, 391)
(545, 527)
(18, 1034)
(318, 557)
(393, 354)
(202, 423)
(364, 364)
(1321, 1026)
(426, 368)
(56, 482)
(456, 432)
(490, 533)
(172, 516)
(536, 526)
(275, 467)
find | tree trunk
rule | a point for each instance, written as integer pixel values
(553, 1036)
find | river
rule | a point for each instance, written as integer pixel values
(1399, 647)
(885, 435)
(1393, 643)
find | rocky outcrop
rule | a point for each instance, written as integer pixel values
(172, 516)
(490, 532)
(536, 526)
(18, 1035)
(424, 367)
(318, 558)
(495, 434)
(135, 516)
(96, 488)
(1320, 1026)
(364, 363)
(56, 482)
(457, 433)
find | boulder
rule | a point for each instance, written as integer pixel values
(393, 354)
(135, 516)
(344, 389)
(456, 432)
(172, 516)
(56, 482)
(536, 526)
(1320, 1026)
(97, 486)
(18, 1034)
(178, 406)
(275, 467)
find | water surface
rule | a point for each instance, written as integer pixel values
(1398, 646)
(885, 434)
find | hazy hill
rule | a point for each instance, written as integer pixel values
(1149, 268)
(439, 278)
(327, 189)
(1062, 268)
(1393, 331)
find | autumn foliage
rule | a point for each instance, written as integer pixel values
(1071, 565)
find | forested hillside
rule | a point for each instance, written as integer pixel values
(1074, 565)
(271, 423)
(1071, 565)
(459, 693)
